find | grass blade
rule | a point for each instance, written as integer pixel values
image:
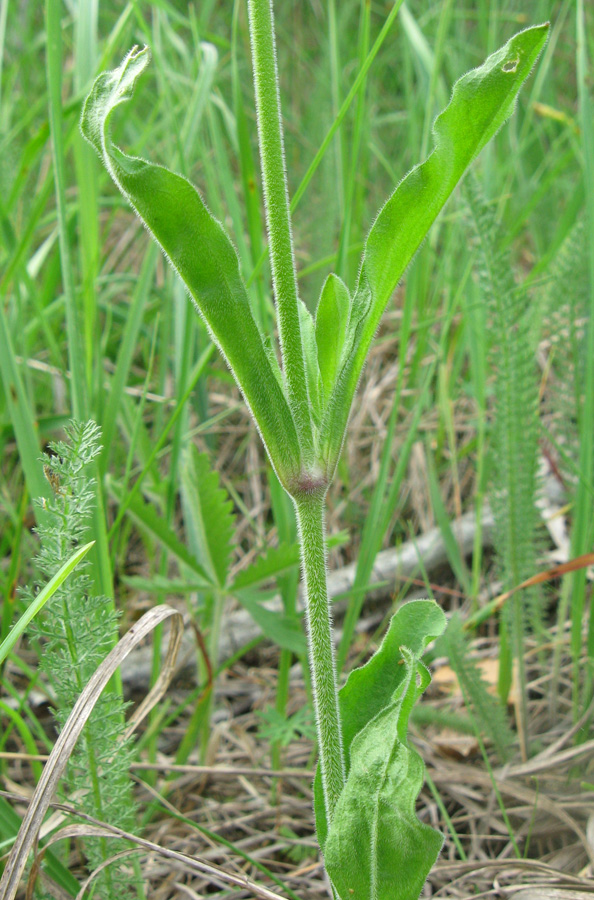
(40, 600)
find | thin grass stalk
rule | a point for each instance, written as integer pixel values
(342, 260)
(8, 599)
(21, 414)
(126, 349)
(248, 179)
(80, 359)
(340, 146)
(73, 325)
(383, 503)
(583, 524)
(87, 212)
(438, 52)
(3, 17)
(131, 494)
(476, 340)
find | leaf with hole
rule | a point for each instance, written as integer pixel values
(482, 100)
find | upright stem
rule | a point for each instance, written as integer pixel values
(310, 519)
(278, 219)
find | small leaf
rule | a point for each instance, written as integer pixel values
(276, 561)
(312, 371)
(285, 631)
(332, 316)
(370, 689)
(482, 100)
(377, 849)
(277, 727)
(202, 254)
(207, 515)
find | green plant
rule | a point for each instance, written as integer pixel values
(368, 777)
(282, 729)
(515, 450)
(74, 632)
(210, 526)
(488, 711)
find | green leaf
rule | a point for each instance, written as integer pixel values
(285, 631)
(154, 525)
(207, 515)
(21, 416)
(279, 728)
(202, 254)
(10, 822)
(370, 689)
(332, 316)
(488, 712)
(482, 100)
(40, 600)
(312, 371)
(377, 849)
(276, 561)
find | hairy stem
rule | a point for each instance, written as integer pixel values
(310, 519)
(278, 220)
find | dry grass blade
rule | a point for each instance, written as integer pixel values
(196, 865)
(462, 775)
(77, 719)
(545, 761)
(73, 831)
(545, 893)
(469, 868)
(573, 565)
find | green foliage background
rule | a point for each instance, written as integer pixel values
(93, 325)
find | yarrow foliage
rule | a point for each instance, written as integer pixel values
(75, 632)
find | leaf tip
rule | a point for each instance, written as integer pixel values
(109, 89)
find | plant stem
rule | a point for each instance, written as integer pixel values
(278, 220)
(346, 103)
(310, 520)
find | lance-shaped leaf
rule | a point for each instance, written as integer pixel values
(201, 252)
(332, 316)
(310, 353)
(482, 100)
(377, 848)
(371, 688)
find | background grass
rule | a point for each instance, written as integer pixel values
(93, 324)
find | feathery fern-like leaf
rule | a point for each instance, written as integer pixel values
(487, 710)
(74, 633)
(563, 312)
(514, 446)
(208, 515)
